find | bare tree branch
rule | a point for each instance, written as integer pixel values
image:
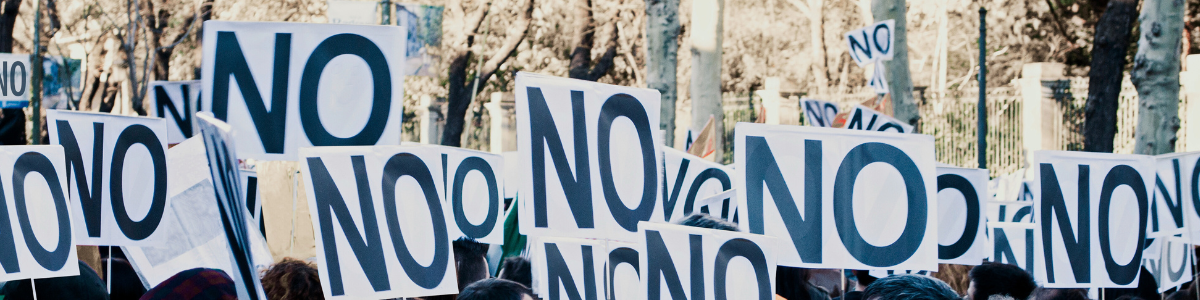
(510, 45)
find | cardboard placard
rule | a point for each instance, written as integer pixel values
(962, 235)
(300, 85)
(198, 240)
(566, 268)
(872, 43)
(833, 194)
(36, 240)
(1172, 263)
(1176, 191)
(382, 227)
(15, 71)
(819, 113)
(1012, 243)
(863, 118)
(679, 261)
(687, 179)
(117, 175)
(219, 147)
(178, 102)
(1087, 206)
(590, 157)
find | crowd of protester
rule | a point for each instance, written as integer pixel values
(292, 279)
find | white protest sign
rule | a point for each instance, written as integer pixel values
(1010, 211)
(1012, 243)
(117, 175)
(843, 198)
(863, 118)
(300, 85)
(249, 179)
(623, 271)
(723, 205)
(590, 157)
(222, 165)
(1091, 213)
(473, 182)
(819, 113)
(15, 72)
(382, 228)
(678, 261)
(178, 102)
(565, 268)
(962, 235)
(1175, 194)
(872, 43)
(198, 240)
(1172, 265)
(688, 178)
(36, 239)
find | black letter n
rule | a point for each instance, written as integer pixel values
(762, 169)
(578, 189)
(369, 251)
(1053, 204)
(230, 61)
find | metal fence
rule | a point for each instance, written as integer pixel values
(952, 121)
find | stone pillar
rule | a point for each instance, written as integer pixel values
(1037, 110)
(705, 87)
(1190, 80)
(502, 112)
(432, 120)
(779, 110)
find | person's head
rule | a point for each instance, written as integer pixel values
(999, 279)
(292, 279)
(495, 289)
(195, 284)
(86, 285)
(470, 258)
(125, 282)
(516, 268)
(909, 287)
(791, 283)
(703, 220)
(864, 279)
(1059, 294)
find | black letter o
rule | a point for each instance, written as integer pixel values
(138, 134)
(310, 78)
(843, 205)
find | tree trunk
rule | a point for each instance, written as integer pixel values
(585, 39)
(898, 77)
(1156, 75)
(459, 88)
(1104, 83)
(705, 87)
(662, 59)
(816, 31)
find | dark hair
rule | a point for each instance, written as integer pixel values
(471, 261)
(125, 281)
(1001, 279)
(86, 285)
(703, 220)
(864, 277)
(909, 287)
(1059, 294)
(791, 283)
(517, 269)
(497, 289)
(292, 279)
